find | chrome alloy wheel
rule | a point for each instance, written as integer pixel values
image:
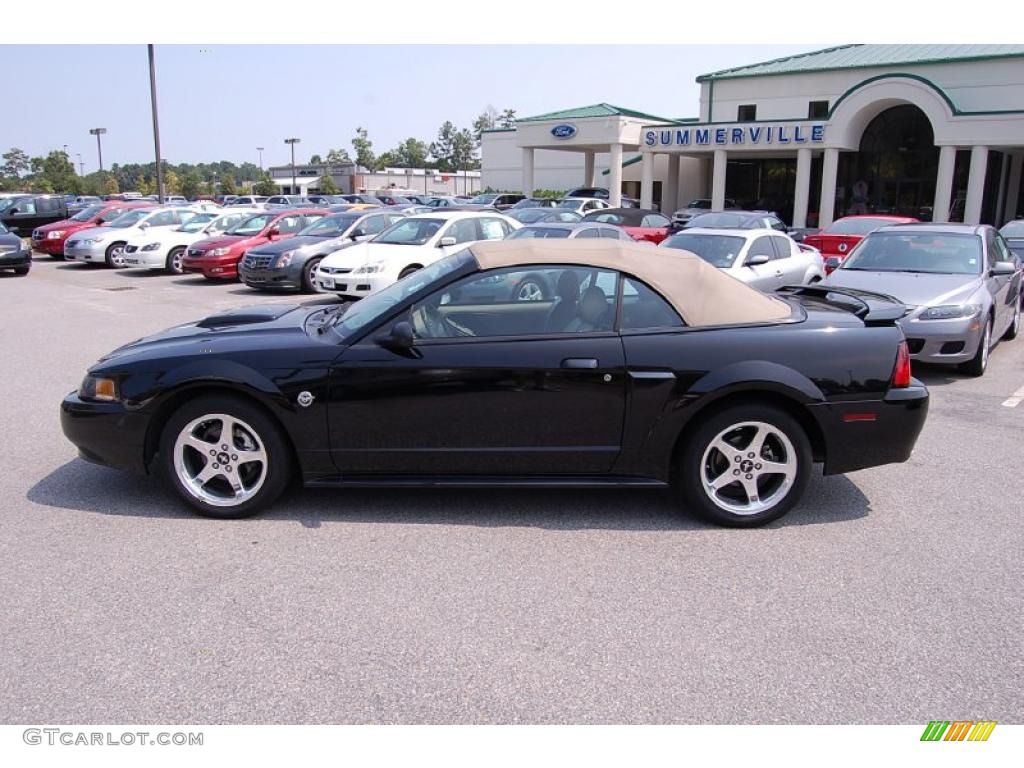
(117, 256)
(220, 460)
(748, 468)
(529, 291)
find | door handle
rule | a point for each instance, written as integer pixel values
(580, 362)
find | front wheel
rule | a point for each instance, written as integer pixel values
(979, 363)
(174, 259)
(21, 271)
(224, 456)
(745, 466)
(309, 275)
(530, 289)
(115, 255)
(407, 271)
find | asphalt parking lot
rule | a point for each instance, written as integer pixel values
(891, 595)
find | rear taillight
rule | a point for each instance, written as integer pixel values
(901, 373)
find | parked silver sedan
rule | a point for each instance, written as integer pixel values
(763, 258)
(960, 283)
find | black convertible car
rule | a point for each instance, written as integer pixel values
(648, 368)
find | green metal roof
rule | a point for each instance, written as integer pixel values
(631, 161)
(860, 56)
(594, 110)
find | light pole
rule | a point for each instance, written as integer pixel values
(97, 132)
(260, 150)
(293, 142)
(156, 126)
(81, 165)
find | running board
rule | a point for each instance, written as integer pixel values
(483, 481)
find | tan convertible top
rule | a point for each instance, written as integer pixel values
(702, 294)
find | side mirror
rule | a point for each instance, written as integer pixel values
(399, 339)
(273, 233)
(444, 242)
(144, 225)
(754, 261)
(357, 233)
(1003, 268)
(15, 209)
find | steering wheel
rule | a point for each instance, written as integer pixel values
(429, 323)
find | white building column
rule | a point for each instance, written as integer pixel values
(589, 168)
(829, 175)
(615, 175)
(944, 184)
(718, 180)
(1013, 193)
(646, 179)
(976, 184)
(528, 171)
(670, 189)
(803, 187)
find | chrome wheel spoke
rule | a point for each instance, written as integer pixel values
(206, 474)
(726, 450)
(756, 444)
(750, 488)
(724, 479)
(200, 445)
(778, 468)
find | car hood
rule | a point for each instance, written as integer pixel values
(275, 247)
(220, 241)
(90, 232)
(63, 224)
(9, 238)
(360, 253)
(245, 329)
(912, 288)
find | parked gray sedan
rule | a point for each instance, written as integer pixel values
(960, 283)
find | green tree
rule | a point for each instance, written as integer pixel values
(16, 163)
(484, 122)
(443, 147)
(41, 185)
(335, 156)
(327, 185)
(464, 151)
(507, 118)
(364, 155)
(190, 183)
(144, 187)
(56, 169)
(172, 184)
(227, 185)
(265, 186)
(412, 153)
(315, 160)
(110, 185)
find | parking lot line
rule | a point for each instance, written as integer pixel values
(1014, 400)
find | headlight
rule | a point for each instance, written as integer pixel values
(370, 268)
(92, 241)
(219, 252)
(57, 234)
(150, 247)
(98, 388)
(950, 312)
(284, 259)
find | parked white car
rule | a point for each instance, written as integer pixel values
(583, 205)
(762, 258)
(365, 268)
(164, 248)
(105, 244)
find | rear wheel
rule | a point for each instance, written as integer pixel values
(530, 289)
(407, 271)
(978, 364)
(309, 275)
(57, 256)
(1014, 329)
(224, 456)
(22, 270)
(115, 255)
(174, 259)
(745, 466)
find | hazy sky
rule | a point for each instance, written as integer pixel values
(222, 104)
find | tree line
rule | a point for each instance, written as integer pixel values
(454, 149)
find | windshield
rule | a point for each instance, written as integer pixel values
(6, 203)
(367, 311)
(928, 252)
(252, 225)
(1013, 229)
(702, 203)
(718, 221)
(129, 218)
(856, 226)
(534, 232)
(410, 232)
(197, 222)
(330, 226)
(483, 199)
(569, 203)
(87, 213)
(530, 216)
(718, 250)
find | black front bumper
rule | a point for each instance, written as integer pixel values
(105, 433)
(288, 278)
(14, 259)
(867, 433)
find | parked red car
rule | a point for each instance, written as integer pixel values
(50, 238)
(218, 257)
(839, 238)
(641, 224)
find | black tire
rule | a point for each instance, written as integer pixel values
(114, 254)
(57, 256)
(308, 272)
(700, 459)
(21, 271)
(257, 429)
(408, 271)
(174, 258)
(1014, 329)
(979, 363)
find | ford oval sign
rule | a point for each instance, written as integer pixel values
(563, 131)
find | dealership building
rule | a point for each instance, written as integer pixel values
(934, 131)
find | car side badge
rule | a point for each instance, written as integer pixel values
(305, 398)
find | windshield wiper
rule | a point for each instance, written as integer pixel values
(333, 316)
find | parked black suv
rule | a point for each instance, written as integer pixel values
(23, 213)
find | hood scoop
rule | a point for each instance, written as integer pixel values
(246, 316)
